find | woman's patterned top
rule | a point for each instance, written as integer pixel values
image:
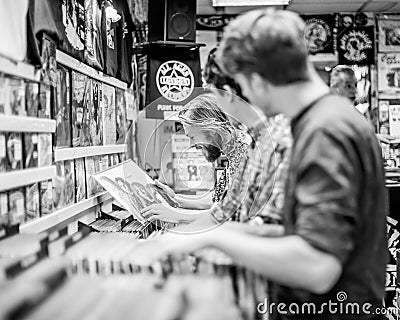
(235, 157)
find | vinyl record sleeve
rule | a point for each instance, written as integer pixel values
(80, 179)
(44, 101)
(69, 190)
(131, 187)
(32, 202)
(91, 184)
(108, 114)
(59, 186)
(32, 99)
(15, 101)
(4, 208)
(46, 197)
(3, 152)
(77, 114)
(62, 109)
(45, 149)
(121, 116)
(31, 150)
(16, 206)
(14, 151)
(95, 115)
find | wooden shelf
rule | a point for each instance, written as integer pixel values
(74, 64)
(26, 124)
(20, 178)
(19, 69)
(73, 211)
(81, 152)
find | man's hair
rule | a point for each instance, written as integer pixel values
(215, 76)
(336, 71)
(268, 42)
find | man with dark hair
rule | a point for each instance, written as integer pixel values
(335, 205)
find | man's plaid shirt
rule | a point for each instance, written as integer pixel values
(258, 188)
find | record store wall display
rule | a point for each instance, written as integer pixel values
(389, 33)
(389, 72)
(320, 33)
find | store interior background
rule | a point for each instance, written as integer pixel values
(152, 140)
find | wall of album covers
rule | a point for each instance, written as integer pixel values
(87, 112)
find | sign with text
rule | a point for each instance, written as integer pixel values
(173, 74)
(389, 72)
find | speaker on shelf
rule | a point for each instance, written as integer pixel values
(174, 20)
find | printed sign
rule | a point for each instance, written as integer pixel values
(319, 33)
(172, 76)
(175, 81)
(389, 72)
(356, 46)
(213, 22)
(389, 33)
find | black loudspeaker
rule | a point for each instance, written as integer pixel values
(172, 20)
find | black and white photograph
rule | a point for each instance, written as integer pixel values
(200, 160)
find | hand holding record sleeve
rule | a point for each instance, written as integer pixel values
(131, 187)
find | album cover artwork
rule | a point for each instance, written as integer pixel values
(14, 151)
(44, 101)
(46, 197)
(97, 168)
(62, 109)
(78, 112)
(3, 94)
(16, 206)
(95, 115)
(91, 185)
(32, 99)
(116, 158)
(31, 150)
(58, 186)
(15, 101)
(45, 149)
(32, 202)
(110, 160)
(121, 117)
(4, 208)
(80, 179)
(86, 137)
(69, 189)
(49, 64)
(104, 162)
(108, 114)
(3, 152)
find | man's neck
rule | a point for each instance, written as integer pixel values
(294, 98)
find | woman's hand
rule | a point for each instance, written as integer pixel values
(164, 212)
(171, 193)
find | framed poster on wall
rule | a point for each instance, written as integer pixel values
(389, 33)
(389, 72)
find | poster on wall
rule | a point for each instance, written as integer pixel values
(172, 76)
(389, 33)
(319, 33)
(356, 45)
(192, 171)
(389, 72)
